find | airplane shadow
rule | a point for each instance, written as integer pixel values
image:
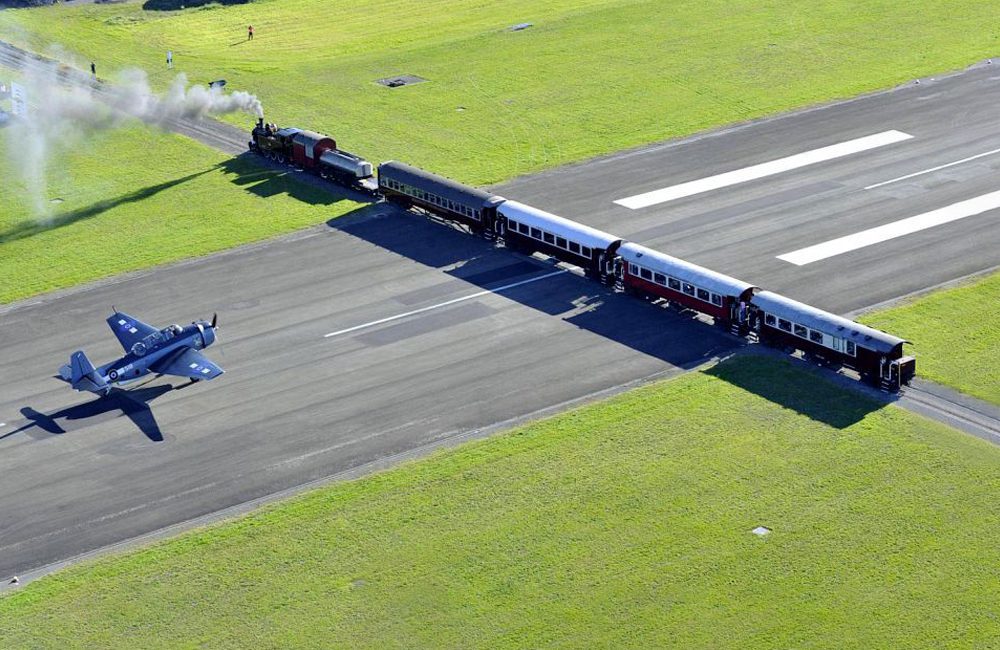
(133, 404)
(675, 335)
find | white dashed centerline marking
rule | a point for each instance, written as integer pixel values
(764, 169)
(954, 212)
(933, 169)
(443, 304)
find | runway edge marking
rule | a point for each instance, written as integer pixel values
(443, 304)
(762, 170)
(933, 169)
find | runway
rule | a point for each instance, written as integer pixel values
(742, 228)
(437, 334)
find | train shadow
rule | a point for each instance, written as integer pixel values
(133, 404)
(777, 377)
(265, 179)
(33, 227)
(680, 339)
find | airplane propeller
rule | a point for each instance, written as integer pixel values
(215, 320)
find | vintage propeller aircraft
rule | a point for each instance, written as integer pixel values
(173, 350)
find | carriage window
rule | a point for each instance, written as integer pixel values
(716, 299)
(511, 225)
(704, 295)
(549, 238)
(688, 289)
(769, 319)
(800, 330)
(476, 214)
(784, 324)
(815, 337)
(536, 233)
(523, 228)
(659, 278)
(560, 242)
(645, 274)
(633, 269)
(850, 348)
(585, 251)
(574, 247)
(674, 284)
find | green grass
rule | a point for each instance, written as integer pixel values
(134, 198)
(955, 334)
(591, 76)
(622, 524)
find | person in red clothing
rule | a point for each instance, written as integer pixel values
(250, 33)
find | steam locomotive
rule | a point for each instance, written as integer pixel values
(741, 307)
(313, 152)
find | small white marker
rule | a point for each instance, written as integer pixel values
(3, 424)
(761, 530)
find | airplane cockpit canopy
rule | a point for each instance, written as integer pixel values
(172, 331)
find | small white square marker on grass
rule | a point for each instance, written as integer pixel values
(761, 530)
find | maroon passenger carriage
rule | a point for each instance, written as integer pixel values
(652, 274)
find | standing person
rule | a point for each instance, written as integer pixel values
(170, 59)
(93, 69)
(250, 33)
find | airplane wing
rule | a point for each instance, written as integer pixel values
(128, 330)
(188, 364)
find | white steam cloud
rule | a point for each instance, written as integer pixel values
(65, 105)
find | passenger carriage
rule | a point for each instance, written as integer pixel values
(410, 186)
(877, 356)
(529, 229)
(650, 273)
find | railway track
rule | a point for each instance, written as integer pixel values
(232, 140)
(217, 135)
(972, 420)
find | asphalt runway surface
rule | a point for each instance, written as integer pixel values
(441, 334)
(740, 230)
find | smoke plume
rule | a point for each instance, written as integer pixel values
(65, 106)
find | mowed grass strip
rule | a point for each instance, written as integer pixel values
(955, 334)
(590, 77)
(134, 198)
(622, 524)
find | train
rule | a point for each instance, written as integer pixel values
(313, 152)
(741, 307)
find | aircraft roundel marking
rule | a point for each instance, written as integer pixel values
(113, 374)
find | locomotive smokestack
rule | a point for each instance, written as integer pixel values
(260, 123)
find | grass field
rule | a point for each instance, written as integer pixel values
(590, 77)
(135, 198)
(623, 524)
(955, 334)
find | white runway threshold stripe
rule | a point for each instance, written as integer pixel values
(443, 304)
(764, 169)
(954, 212)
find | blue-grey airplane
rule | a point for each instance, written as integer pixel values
(173, 350)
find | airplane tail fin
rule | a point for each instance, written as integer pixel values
(82, 375)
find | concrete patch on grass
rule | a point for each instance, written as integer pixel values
(401, 80)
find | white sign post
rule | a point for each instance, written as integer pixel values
(18, 100)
